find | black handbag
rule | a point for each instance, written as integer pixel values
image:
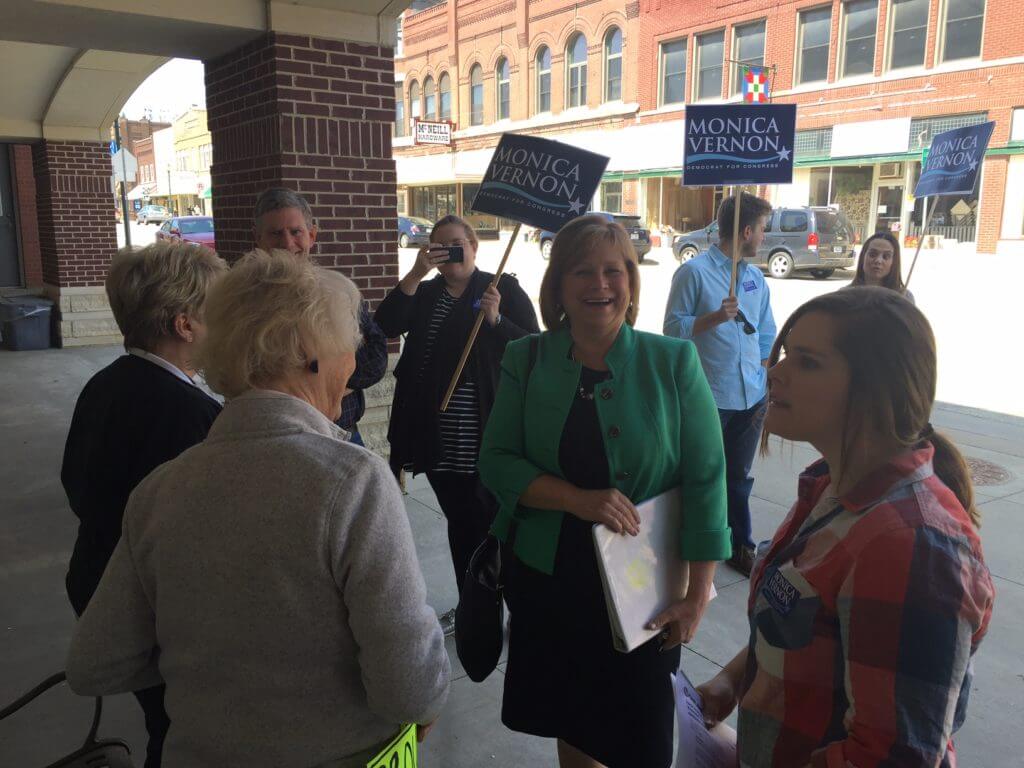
(480, 614)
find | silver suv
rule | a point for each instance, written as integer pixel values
(816, 239)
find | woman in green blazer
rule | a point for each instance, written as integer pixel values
(590, 419)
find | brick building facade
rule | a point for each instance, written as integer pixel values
(874, 81)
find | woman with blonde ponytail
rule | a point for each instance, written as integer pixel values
(868, 605)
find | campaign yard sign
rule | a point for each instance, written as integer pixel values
(540, 182)
(954, 161)
(738, 144)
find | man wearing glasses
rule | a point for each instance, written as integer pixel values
(734, 337)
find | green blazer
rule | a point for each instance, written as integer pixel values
(661, 430)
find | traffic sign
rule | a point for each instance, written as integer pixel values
(125, 165)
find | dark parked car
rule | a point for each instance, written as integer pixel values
(639, 235)
(817, 239)
(152, 214)
(190, 229)
(413, 231)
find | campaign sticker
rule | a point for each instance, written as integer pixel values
(749, 285)
(780, 593)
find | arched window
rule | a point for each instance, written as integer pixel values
(415, 105)
(503, 89)
(444, 87)
(576, 74)
(613, 64)
(429, 102)
(476, 95)
(543, 63)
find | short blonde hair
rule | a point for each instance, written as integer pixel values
(458, 221)
(270, 316)
(149, 287)
(573, 243)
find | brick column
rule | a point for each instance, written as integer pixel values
(77, 238)
(992, 198)
(314, 115)
(28, 218)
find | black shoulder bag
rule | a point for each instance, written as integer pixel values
(480, 614)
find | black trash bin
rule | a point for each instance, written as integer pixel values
(25, 322)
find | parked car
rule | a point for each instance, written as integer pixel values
(152, 214)
(413, 231)
(189, 229)
(639, 235)
(819, 240)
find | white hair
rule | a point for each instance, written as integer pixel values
(270, 316)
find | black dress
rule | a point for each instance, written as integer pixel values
(564, 678)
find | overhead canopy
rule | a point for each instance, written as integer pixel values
(70, 65)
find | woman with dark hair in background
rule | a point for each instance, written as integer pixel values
(879, 264)
(436, 316)
(868, 605)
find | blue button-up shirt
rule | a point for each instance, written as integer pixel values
(731, 358)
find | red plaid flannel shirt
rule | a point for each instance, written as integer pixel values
(863, 625)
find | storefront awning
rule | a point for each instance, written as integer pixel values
(141, 191)
(636, 149)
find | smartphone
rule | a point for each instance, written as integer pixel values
(455, 255)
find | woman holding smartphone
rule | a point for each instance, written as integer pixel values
(436, 317)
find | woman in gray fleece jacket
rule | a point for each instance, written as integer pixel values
(268, 575)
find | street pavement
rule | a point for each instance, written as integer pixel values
(979, 414)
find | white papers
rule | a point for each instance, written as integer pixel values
(700, 747)
(642, 574)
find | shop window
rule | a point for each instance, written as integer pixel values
(710, 56)
(543, 64)
(444, 89)
(673, 72)
(415, 105)
(476, 95)
(815, 34)
(793, 221)
(747, 50)
(613, 65)
(504, 89)
(962, 29)
(611, 196)
(576, 75)
(860, 23)
(429, 99)
(908, 33)
(399, 110)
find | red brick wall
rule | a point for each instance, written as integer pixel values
(990, 215)
(76, 211)
(313, 115)
(28, 220)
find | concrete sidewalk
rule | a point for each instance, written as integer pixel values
(38, 531)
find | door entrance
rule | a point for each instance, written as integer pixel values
(890, 209)
(10, 269)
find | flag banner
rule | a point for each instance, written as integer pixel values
(540, 182)
(954, 160)
(738, 144)
(755, 85)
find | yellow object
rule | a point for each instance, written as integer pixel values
(400, 753)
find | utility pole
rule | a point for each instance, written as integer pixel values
(124, 185)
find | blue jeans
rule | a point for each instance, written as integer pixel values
(741, 431)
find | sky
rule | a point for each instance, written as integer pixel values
(169, 91)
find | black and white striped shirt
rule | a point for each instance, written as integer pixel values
(460, 424)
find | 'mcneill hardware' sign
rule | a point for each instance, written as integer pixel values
(539, 182)
(432, 132)
(739, 144)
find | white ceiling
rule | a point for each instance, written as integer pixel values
(70, 65)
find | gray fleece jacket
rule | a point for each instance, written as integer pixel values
(268, 577)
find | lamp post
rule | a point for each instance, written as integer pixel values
(169, 202)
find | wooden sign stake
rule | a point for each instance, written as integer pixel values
(479, 321)
(920, 238)
(738, 194)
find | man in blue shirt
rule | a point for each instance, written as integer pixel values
(734, 338)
